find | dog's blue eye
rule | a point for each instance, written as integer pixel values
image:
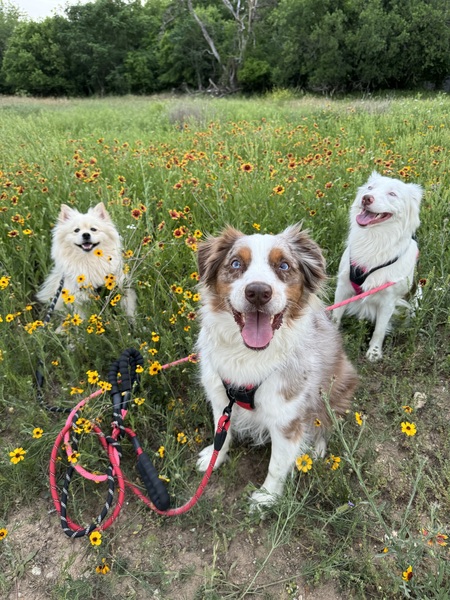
(93, 229)
(235, 264)
(284, 266)
(76, 230)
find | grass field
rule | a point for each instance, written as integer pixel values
(172, 170)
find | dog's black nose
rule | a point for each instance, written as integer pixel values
(367, 199)
(86, 236)
(258, 293)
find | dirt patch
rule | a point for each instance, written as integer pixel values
(41, 553)
(149, 557)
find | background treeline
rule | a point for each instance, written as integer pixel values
(120, 46)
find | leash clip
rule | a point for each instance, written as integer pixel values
(227, 410)
(222, 427)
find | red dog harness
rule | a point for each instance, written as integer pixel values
(243, 396)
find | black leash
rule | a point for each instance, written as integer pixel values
(39, 375)
(55, 298)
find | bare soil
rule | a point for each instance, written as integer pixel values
(151, 557)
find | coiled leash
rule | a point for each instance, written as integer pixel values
(158, 498)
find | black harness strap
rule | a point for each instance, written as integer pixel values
(358, 275)
(243, 396)
(39, 376)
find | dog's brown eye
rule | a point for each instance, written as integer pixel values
(393, 194)
(93, 229)
(76, 230)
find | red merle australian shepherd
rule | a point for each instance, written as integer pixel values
(266, 339)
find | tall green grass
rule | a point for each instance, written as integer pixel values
(190, 166)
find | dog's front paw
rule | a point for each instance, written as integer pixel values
(204, 458)
(320, 447)
(374, 354)
(261, 499)
(336, 319)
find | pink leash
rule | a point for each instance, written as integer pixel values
(191, 358)
(361, 296)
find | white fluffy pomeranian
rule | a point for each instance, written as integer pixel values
(87, 253)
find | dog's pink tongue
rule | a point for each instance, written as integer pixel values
(365, 217)
(257, 331)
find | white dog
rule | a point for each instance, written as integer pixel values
(266, 341)
(87, 252)
(380, 249)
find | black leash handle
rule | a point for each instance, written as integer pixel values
(121, 389)
(156, 488)
(120, 393)
(125, 365)
(128, 362)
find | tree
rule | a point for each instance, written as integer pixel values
(370, 62)
(361, 44)
(100, 37)
(293, 22)
(241, 16)
(425, 57)
(122, 46)
(9, 19)
(185, 59)
(141, 65)
(34, 61)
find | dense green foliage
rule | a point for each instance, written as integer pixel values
(125, 46)
(9, 19)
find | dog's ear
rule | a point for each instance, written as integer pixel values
(100, 211)
(309, 256)
(66, 213)
(212, 252)
(416, 192)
